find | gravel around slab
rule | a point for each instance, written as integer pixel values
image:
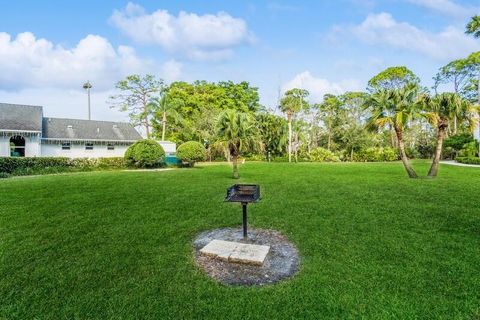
(281, 262)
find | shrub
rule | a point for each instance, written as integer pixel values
(468, 160)
(469, 150)
(323, 155)
(375, 154)
(4, 175)
(145, 154)
(23, 166)
(111, 163)
(390, 154)
(191, 152)
(83, 164)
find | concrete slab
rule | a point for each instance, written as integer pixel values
(219, 248)
(236, 251)
(249, 253)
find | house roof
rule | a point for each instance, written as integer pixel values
(20, 117)
(75, 129)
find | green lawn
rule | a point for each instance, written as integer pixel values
(374, 244)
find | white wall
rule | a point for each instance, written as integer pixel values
(168, 147)
(32, 147)
(78, 151)
(4, 147)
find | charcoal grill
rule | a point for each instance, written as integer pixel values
(245, 194)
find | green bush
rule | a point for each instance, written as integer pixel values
(191, 152)
(4, 175)
(468, 160)
(469, 150)
(83, 164)
(145, 154)
(111, 163)
(375, 154)
(322, 155)
(24, 166)
(11, 166)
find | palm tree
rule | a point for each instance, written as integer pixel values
(166, 107)
(329, 109)
(395, 108)
(440, 110)
(293, 102)
(238, 133)
(473, 27)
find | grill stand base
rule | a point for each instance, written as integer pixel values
(244, 209)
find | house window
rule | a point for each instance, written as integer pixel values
(88, 146)
(17, 146)
(110, 146)
(65, 145)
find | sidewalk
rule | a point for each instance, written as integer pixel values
(454, 163)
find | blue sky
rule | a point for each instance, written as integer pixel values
(49, 48)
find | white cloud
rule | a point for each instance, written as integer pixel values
(28, 62)
(65, 103)
(447, 7)
(383, 29)
(318, 87)
(198, 37)
(171, 70)
(36, 71)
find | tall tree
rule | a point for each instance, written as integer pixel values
(351, 130)
(440, 110)
(237, 131)
(395, 108)
(293, 101)
(392, 78)
(273, 132)
(474, 60)
(473, 27)
(136, 93)
(459, 73)
(329, 111)
(165, 108)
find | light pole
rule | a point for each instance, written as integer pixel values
(87, 86)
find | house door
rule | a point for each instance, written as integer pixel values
(17, 146)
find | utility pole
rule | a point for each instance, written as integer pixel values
(87, 86)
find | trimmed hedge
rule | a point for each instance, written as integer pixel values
(191, 152)
(11, 166)
(376, 155)
(468, 160)
(322, 155)
(145, 154)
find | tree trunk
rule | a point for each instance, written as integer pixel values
(392, 138)
(164, 122)
(454, 124)
(351, 155)
(478, 88)
(329, 135)
(403, 155)
(438, 152)
(289, 137)
(147, 128)
(235, 166)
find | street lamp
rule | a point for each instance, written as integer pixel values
(87, 86)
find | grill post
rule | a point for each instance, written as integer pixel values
(244, 207)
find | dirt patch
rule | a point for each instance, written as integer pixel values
(281, 262)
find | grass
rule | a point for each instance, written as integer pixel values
(374, 244)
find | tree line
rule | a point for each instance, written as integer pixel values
(394, 114)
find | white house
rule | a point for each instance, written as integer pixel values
(24, 132)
